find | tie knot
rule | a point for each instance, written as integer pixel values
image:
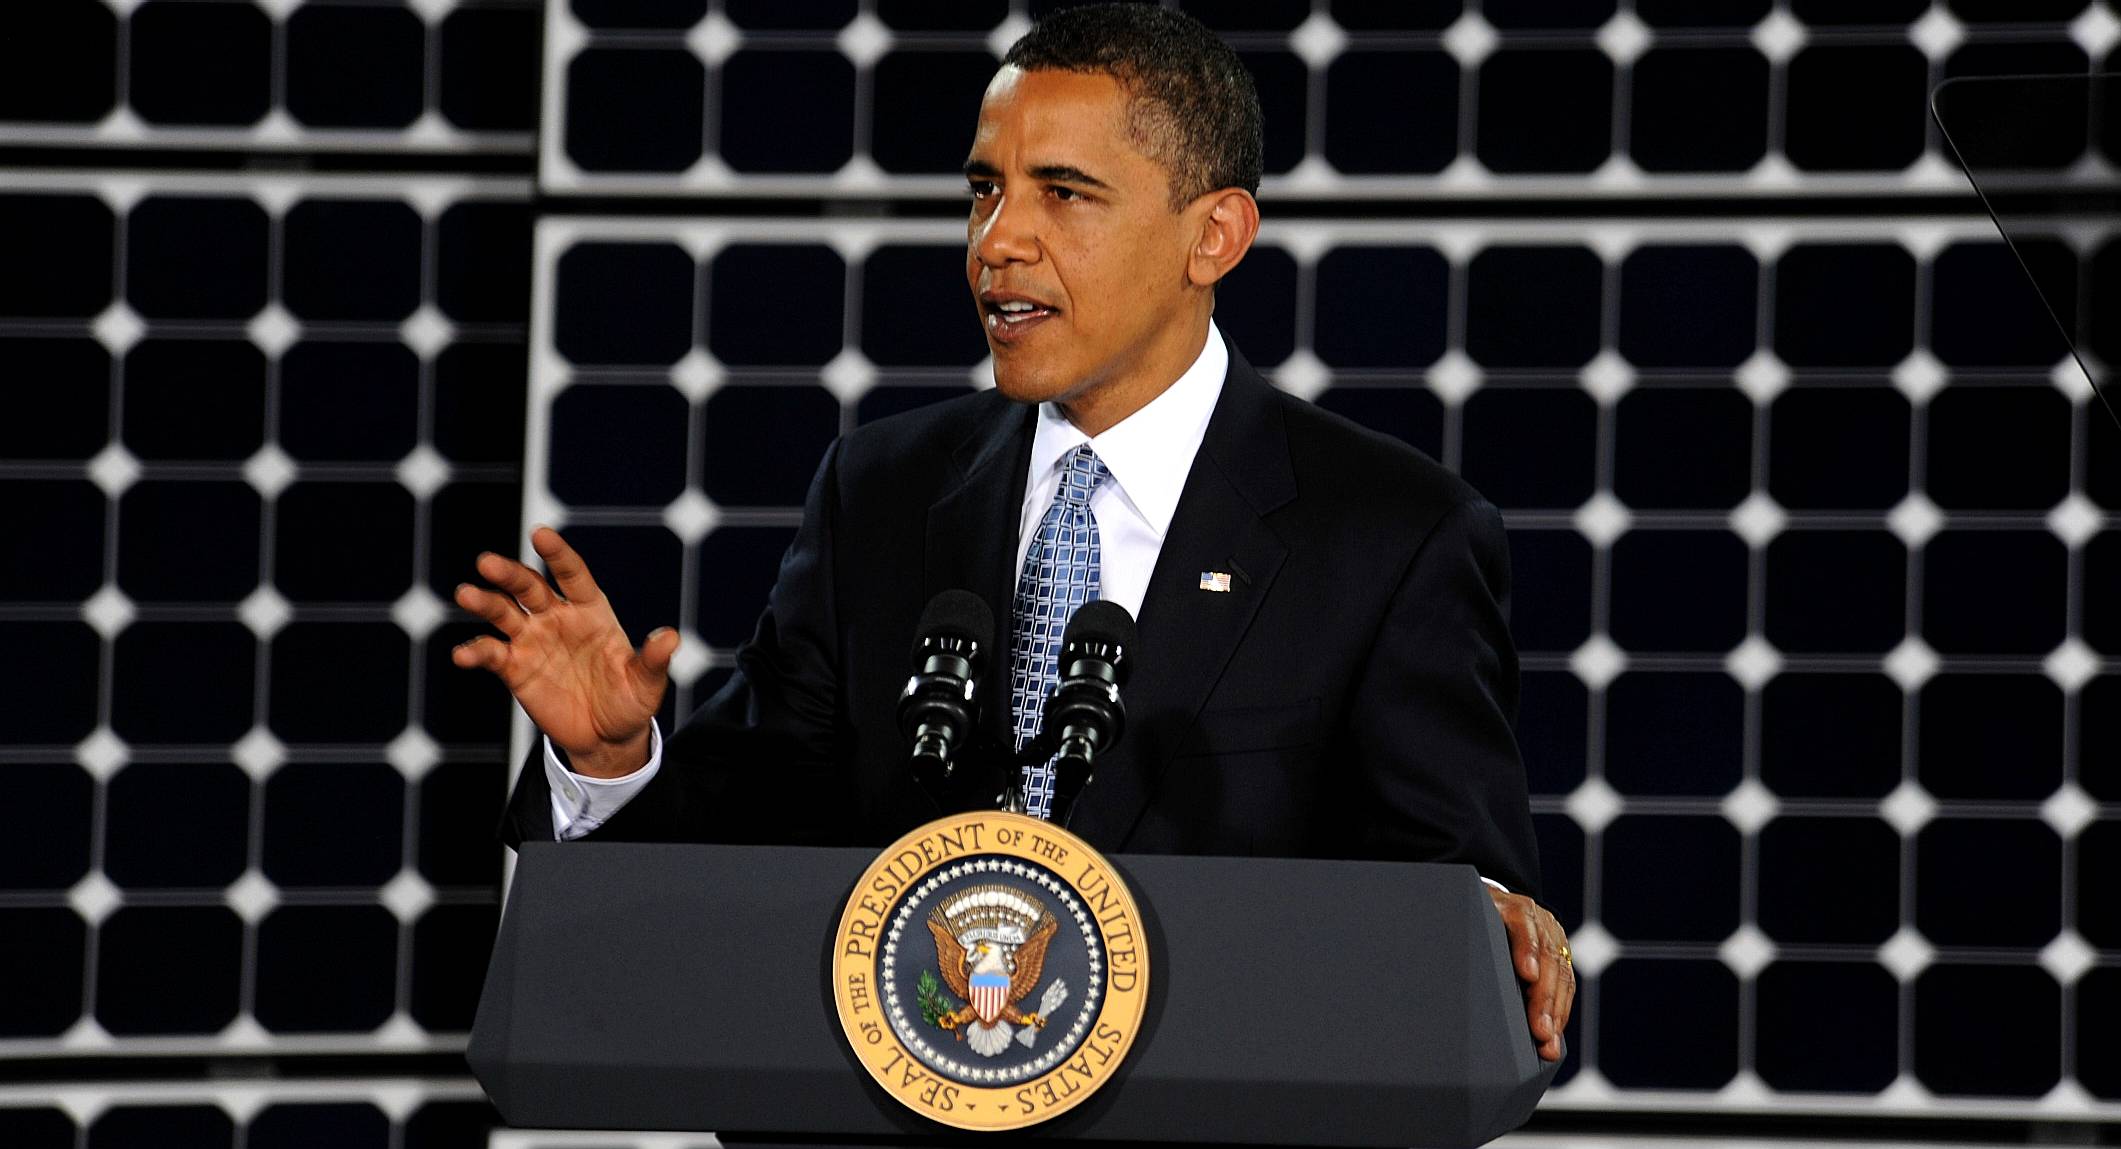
(1082, 472)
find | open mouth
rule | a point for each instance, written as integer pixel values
(1011, 319)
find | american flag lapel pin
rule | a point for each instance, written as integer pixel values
(1218, 581)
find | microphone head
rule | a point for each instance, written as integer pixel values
(954, 614)
(1102, 629)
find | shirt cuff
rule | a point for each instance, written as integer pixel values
(1496, 884)
(581, 803)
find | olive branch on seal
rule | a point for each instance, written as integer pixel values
(934, 1002)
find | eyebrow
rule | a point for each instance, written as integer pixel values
(1057, 173)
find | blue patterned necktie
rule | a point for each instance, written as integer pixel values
(1060, 574)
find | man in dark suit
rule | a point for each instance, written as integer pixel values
(1324, 667)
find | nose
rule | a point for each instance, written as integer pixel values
(1006, 236)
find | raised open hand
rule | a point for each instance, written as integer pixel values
(566, 659)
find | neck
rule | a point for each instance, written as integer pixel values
(1098, 409)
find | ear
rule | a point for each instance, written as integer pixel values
(1228, 223)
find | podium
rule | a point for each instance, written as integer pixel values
(684, 987)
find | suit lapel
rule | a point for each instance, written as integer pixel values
(971, 542)
(1241, 473)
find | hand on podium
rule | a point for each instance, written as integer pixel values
(566, 659)
(1539, 948)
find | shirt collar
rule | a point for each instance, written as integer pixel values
(1149, 452)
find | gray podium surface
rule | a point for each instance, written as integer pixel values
(683, 987)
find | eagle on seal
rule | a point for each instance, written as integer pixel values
(990, 942)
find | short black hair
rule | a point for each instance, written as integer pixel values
(1192, 105)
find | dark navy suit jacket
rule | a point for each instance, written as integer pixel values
(1352, 695)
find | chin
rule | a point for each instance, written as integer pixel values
(1028, 383)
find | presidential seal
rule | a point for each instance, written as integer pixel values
(990, 970)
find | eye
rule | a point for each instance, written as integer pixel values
(1066, 194)
(980, 189)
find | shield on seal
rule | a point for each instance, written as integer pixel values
(990, 992)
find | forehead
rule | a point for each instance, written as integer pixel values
(1053, 117)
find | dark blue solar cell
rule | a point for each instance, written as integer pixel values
(776, 304)
(627, 14)
(1674, 733)
(1990, 736)
(1382, 306)
(168, 969)
(200, 63)
(923, 108)
(1533, 306)
(1994, 592)
(1830, 735)
(638, 569)
(624, 303)
(917, 310)
(2099, 737)
(1560, 867)
(1833, 881)
(1552, 719)
(1539, 15)
(922, 16)
(1550, 595)
(1855, 107)
(70, 380)
(43, 949)
(355, 67)
(1698, 109)
(450, 945)
(1688, 306)
(482, 261)
(1531, 447)
(882, 402)
(1827, 1027)
(1839, 592)
(791, 111)
(333, 824)
(65, 518)
(183, 682)
(1839, 446)
(351, 259)
(460, 802)
(466, 518)
(50, 851)
(2098, 1062)
(1392, 15)
(163, 1127)
(463, 706)
(50, 680)
(489, 68)
(195, 258)
(1679, 590)
(343, 542)
(737, 568)
(192, 399)
(1985, 311)
(1420, 86)
(1686, 448)
(618, 443)
(339, 681)
(2102, 287)
(1255, 306)
(60, 64)
(176, 825)
(1410, 412)
(1999, 448)
(37, 1128)
(1258, 16)
(2098, 853)
(1668, 1024)
(775, 14)
(326, 969)
(342, 1125)
(1989, 1031)
(1545, 110)
(2102, 603)
(635, 109)
(479, 402)
(62, 264)
(1976, 874)
(1284, 86)
(739, 467)
(1830, 12)
(1844, 305)
(349, 401)
(1670, 878)
(1701, 13)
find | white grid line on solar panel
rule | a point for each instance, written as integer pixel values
(1774, 175)
(86, 1038)
(121, 188)
(397, 1097)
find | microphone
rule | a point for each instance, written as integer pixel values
(935, 711)
(1095, 659)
